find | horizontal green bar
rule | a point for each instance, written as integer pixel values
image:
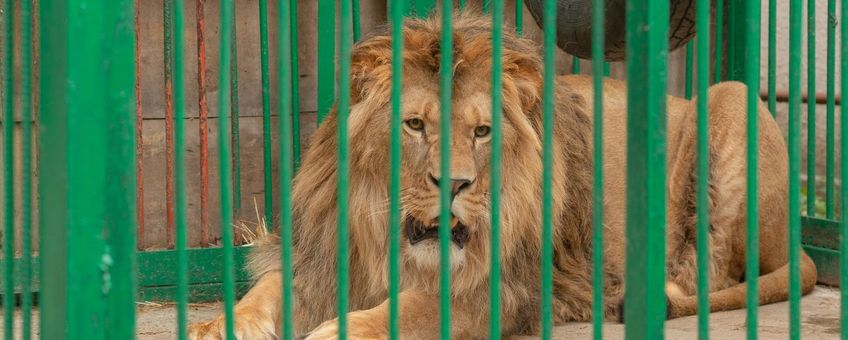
(827, 264)
(156, 268)
(820, 233)
(205, 292)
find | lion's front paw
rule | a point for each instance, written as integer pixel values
(360, 325)
(249, 324)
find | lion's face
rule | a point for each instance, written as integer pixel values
(470, 143)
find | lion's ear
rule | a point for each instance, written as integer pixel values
(525, 71)
(370, 64)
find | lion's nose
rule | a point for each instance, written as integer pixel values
(457, 184)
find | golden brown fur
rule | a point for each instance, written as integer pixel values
(314, 199)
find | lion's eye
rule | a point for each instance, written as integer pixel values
(415, 124)
(482, 131)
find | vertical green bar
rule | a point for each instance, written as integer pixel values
(285, 78)
(794, 141)
(811, 108)
(224, 164)
(445, 101)
(647, 50)
(598, 66)
(179, 168)
(719, 40)
(234, 117)
(772, 57)
(266, 115)
(356, 26)
(702, 201)
(843, 160)
(8, 169)
(752, 79)
(519, 17)
(344, 166)
(120, 215)
(736, 40)
(26, 170)
(487, 6)
(326, 56)
(831, 106)
(575, 65)
(295, 85)
(548, 100)
(52, 151)
(687, 86)
(462, 4)
(495, 190)
(395, 159)
(79, 130)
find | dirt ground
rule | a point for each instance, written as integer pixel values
(819, 320)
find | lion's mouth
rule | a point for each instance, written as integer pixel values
(417, 231)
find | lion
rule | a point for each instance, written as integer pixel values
(258, 314)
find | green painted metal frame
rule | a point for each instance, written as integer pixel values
(193, 281)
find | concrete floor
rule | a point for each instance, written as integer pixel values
(819, 320)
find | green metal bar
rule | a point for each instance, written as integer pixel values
(79, 127)
(687, 86)
(326, 56)
(356, 25)
(606, 69)
(772, 57)
(52, 155)
(795, 13)
(343, 167)
(445, 107)
(752, 240)
(295, 85)
(702, 203)
(719, 40)
(118, 263)
(843, 160)
(496, 179)
(549, 27)
(266, 116)
(575, 65)
(395, 159)
(487, 6)
(234, 118)
(519, 17)
(180, 169)
(287, 103)
(224, 164)
(831, 108)
(811, 108)
(598, 66)
(8, 167)
(646, 168)
(461, 4)
(736, 40)
(26, 169)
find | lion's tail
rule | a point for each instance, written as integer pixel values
(773, 287)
